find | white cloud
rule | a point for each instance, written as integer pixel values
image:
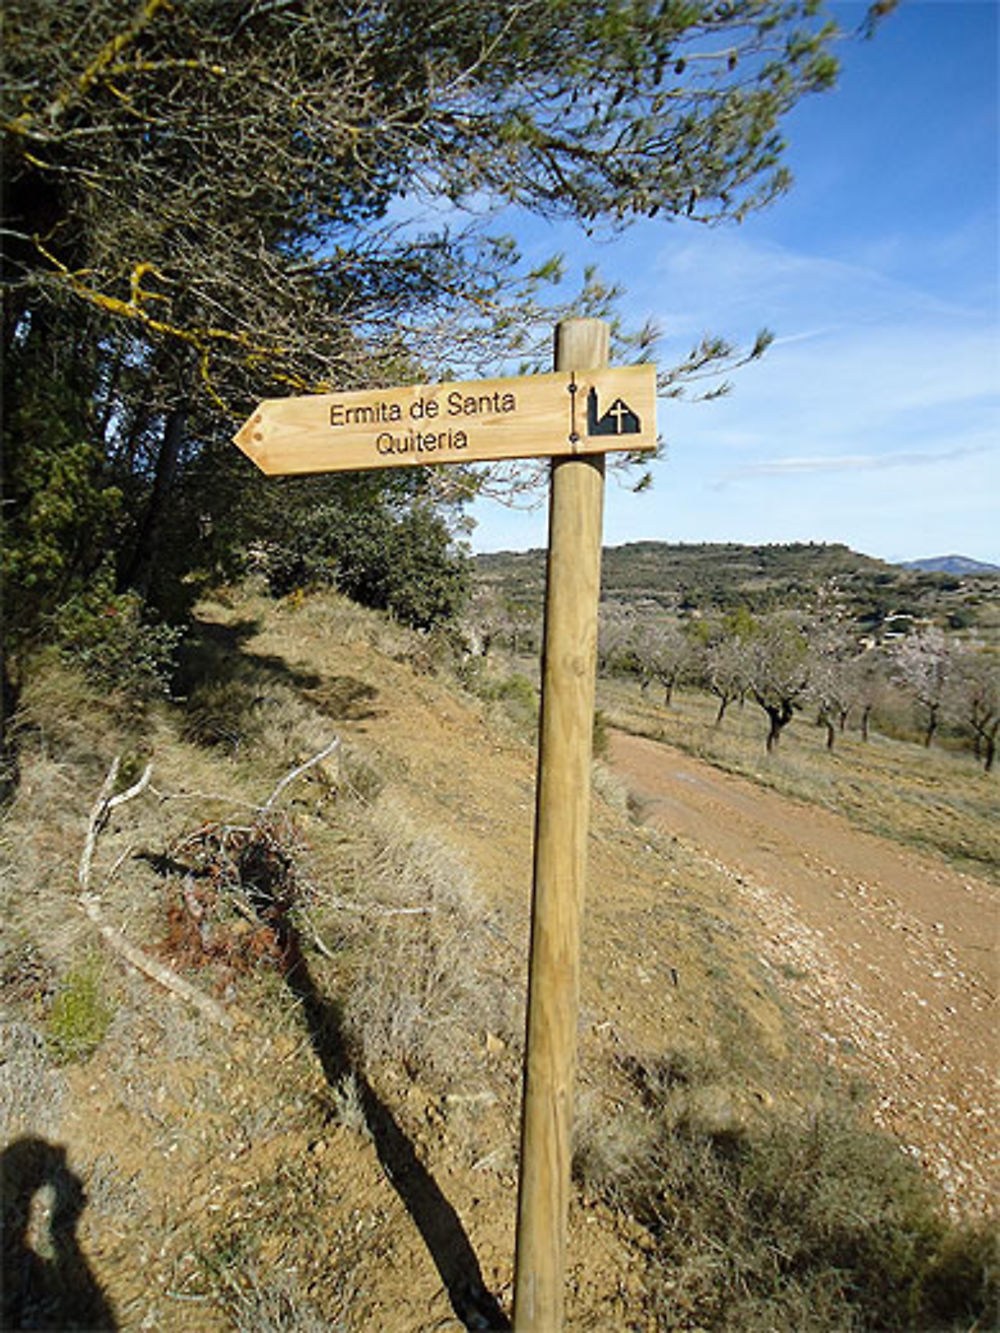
(798, 467)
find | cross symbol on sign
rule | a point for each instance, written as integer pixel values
(619, 411)
(619, 419)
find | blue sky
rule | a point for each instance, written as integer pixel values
(874, 419)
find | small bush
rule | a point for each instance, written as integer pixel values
(814, 1223)
(118, 647)
(515, 694)
(79, 1016)
(611, 1144)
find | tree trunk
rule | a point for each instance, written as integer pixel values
(10, 693)
(932, 723)
(991, 748)
(866, 713)
(774, 735)
(149, 537)
(780, 715)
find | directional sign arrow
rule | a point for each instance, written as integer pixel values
(473, 421)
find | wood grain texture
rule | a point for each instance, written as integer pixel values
(562, 817)
(473, 421)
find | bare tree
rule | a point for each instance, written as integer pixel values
(616, 629)
(921, 665)
(494, 618)
(725, 661)
(662, 652)
(975, 699)
(867, 681)
(833, 645)
(779, 669)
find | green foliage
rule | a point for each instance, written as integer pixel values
(59, 511)
(110, 637)
(401, 562)
(186, 237)
(749, 581)
(515, 693)
(79, 1016)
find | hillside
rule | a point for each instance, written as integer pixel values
(323, 1133)
(706, 577)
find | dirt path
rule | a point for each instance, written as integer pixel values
(891, 956)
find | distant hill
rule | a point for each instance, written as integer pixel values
(950, 564)
(678, 579)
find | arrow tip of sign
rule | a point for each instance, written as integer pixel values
(250, 437)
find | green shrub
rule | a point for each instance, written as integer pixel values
(59, 514)
(515, 693)
(79, 1015)
(814, 1223)
(107, 634)
(403, 562)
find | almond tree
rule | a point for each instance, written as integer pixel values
(663, 652)
(616, 629)
(725, 660)
(975, 699)
(779, 671)
(833, 647)
(922, 665)
(867, 680)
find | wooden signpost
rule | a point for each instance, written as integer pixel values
(578, 411)
(574, 415)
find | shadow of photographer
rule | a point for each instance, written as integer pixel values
(54, 1289)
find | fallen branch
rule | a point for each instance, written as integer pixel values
(369, 909)
(90, 904)
(101, 813)
(297, 772)
(152, 968)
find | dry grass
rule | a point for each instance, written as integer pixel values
(31, 1088)
(232, 1182)
(430, 986)
(934, 799)
(771, 1221)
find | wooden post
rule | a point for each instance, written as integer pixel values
(561, 823)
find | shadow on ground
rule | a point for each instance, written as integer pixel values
(432, 1214)
(51, 1286)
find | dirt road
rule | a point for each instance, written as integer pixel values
(890, 955)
